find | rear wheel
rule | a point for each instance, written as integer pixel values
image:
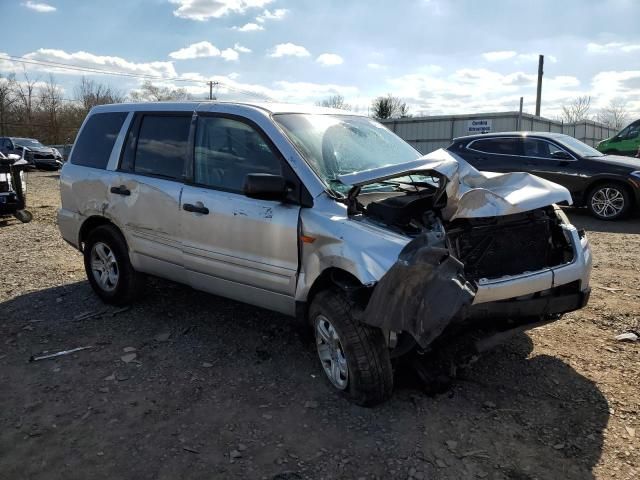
(109, 271)
(354, 356)
(609, 201)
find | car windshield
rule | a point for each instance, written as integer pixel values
(577, 146)
(336, 145)
(27, 142)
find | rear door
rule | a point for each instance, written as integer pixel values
(235, 246)
(145, 195)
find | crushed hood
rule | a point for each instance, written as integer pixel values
(471, 193)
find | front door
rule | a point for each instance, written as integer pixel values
(552, 162)
(235, 246)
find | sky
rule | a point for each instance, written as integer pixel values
(440, 56)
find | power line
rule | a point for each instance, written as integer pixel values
(65, 66)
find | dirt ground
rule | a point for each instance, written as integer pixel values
(219, 389)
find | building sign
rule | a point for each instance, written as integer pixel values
(478, 126)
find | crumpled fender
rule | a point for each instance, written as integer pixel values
(421, 293)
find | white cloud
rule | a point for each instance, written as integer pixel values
(499, 55)
(612, 47)
(39, 7)
(277, 14)
(289, 50)
(202, 10)
(89, 60)
(241, 49)
(307, 92)
(229, 54)
(330, 59)
(470, 90)
(196, 50)
(249, 27)
(376, 66)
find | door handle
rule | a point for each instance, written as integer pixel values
(188, 207)
(121, 190)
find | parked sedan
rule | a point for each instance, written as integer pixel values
(608, 185)
(46, 158)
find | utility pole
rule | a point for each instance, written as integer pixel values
(520, 114)
(539, 92)
(210, 90)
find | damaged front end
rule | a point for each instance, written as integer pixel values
(483, 246)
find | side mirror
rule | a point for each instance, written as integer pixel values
(265, 186)
(561, 155)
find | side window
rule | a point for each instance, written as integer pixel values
(227, 150)
(162, 146)
(634, 131)
(504, 146)
(533, 147)
(95, 142)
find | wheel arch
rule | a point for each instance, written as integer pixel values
(331, 277)
(91, 223)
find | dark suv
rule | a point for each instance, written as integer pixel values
(608, 185)
(46, 158)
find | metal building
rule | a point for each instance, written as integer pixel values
(430, 133)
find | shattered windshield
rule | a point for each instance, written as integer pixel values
(336, 145)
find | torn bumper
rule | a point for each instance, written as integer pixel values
(550, 302)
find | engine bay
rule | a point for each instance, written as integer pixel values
(489, 247)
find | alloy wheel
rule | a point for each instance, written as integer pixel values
(331, 353)
(607, 202)
(104, 266)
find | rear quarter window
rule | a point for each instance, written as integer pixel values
(95, 142)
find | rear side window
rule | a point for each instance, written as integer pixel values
(93, 146)
(162, 146)
(504, 146)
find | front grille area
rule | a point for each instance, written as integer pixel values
(43, 156)
(509, 245)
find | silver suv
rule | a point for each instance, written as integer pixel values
(322, 215)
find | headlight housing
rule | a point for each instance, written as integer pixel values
(56, 152)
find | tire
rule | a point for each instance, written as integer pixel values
(24, 216)
(106, 245)
(369, 377)
(609, 201)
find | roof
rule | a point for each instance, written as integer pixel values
(271, 108)
(510, 134)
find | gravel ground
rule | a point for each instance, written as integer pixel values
(188, 385)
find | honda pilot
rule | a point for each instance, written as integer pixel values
(321, 215)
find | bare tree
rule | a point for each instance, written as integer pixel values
(614, 115)
(50, 105)
(91, 93)
(149, 92)
(577, 110)
(334, 101)
(389, 107)
(25, 92)
(7, 100)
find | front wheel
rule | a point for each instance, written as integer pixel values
(354, 356)
(609, 201)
